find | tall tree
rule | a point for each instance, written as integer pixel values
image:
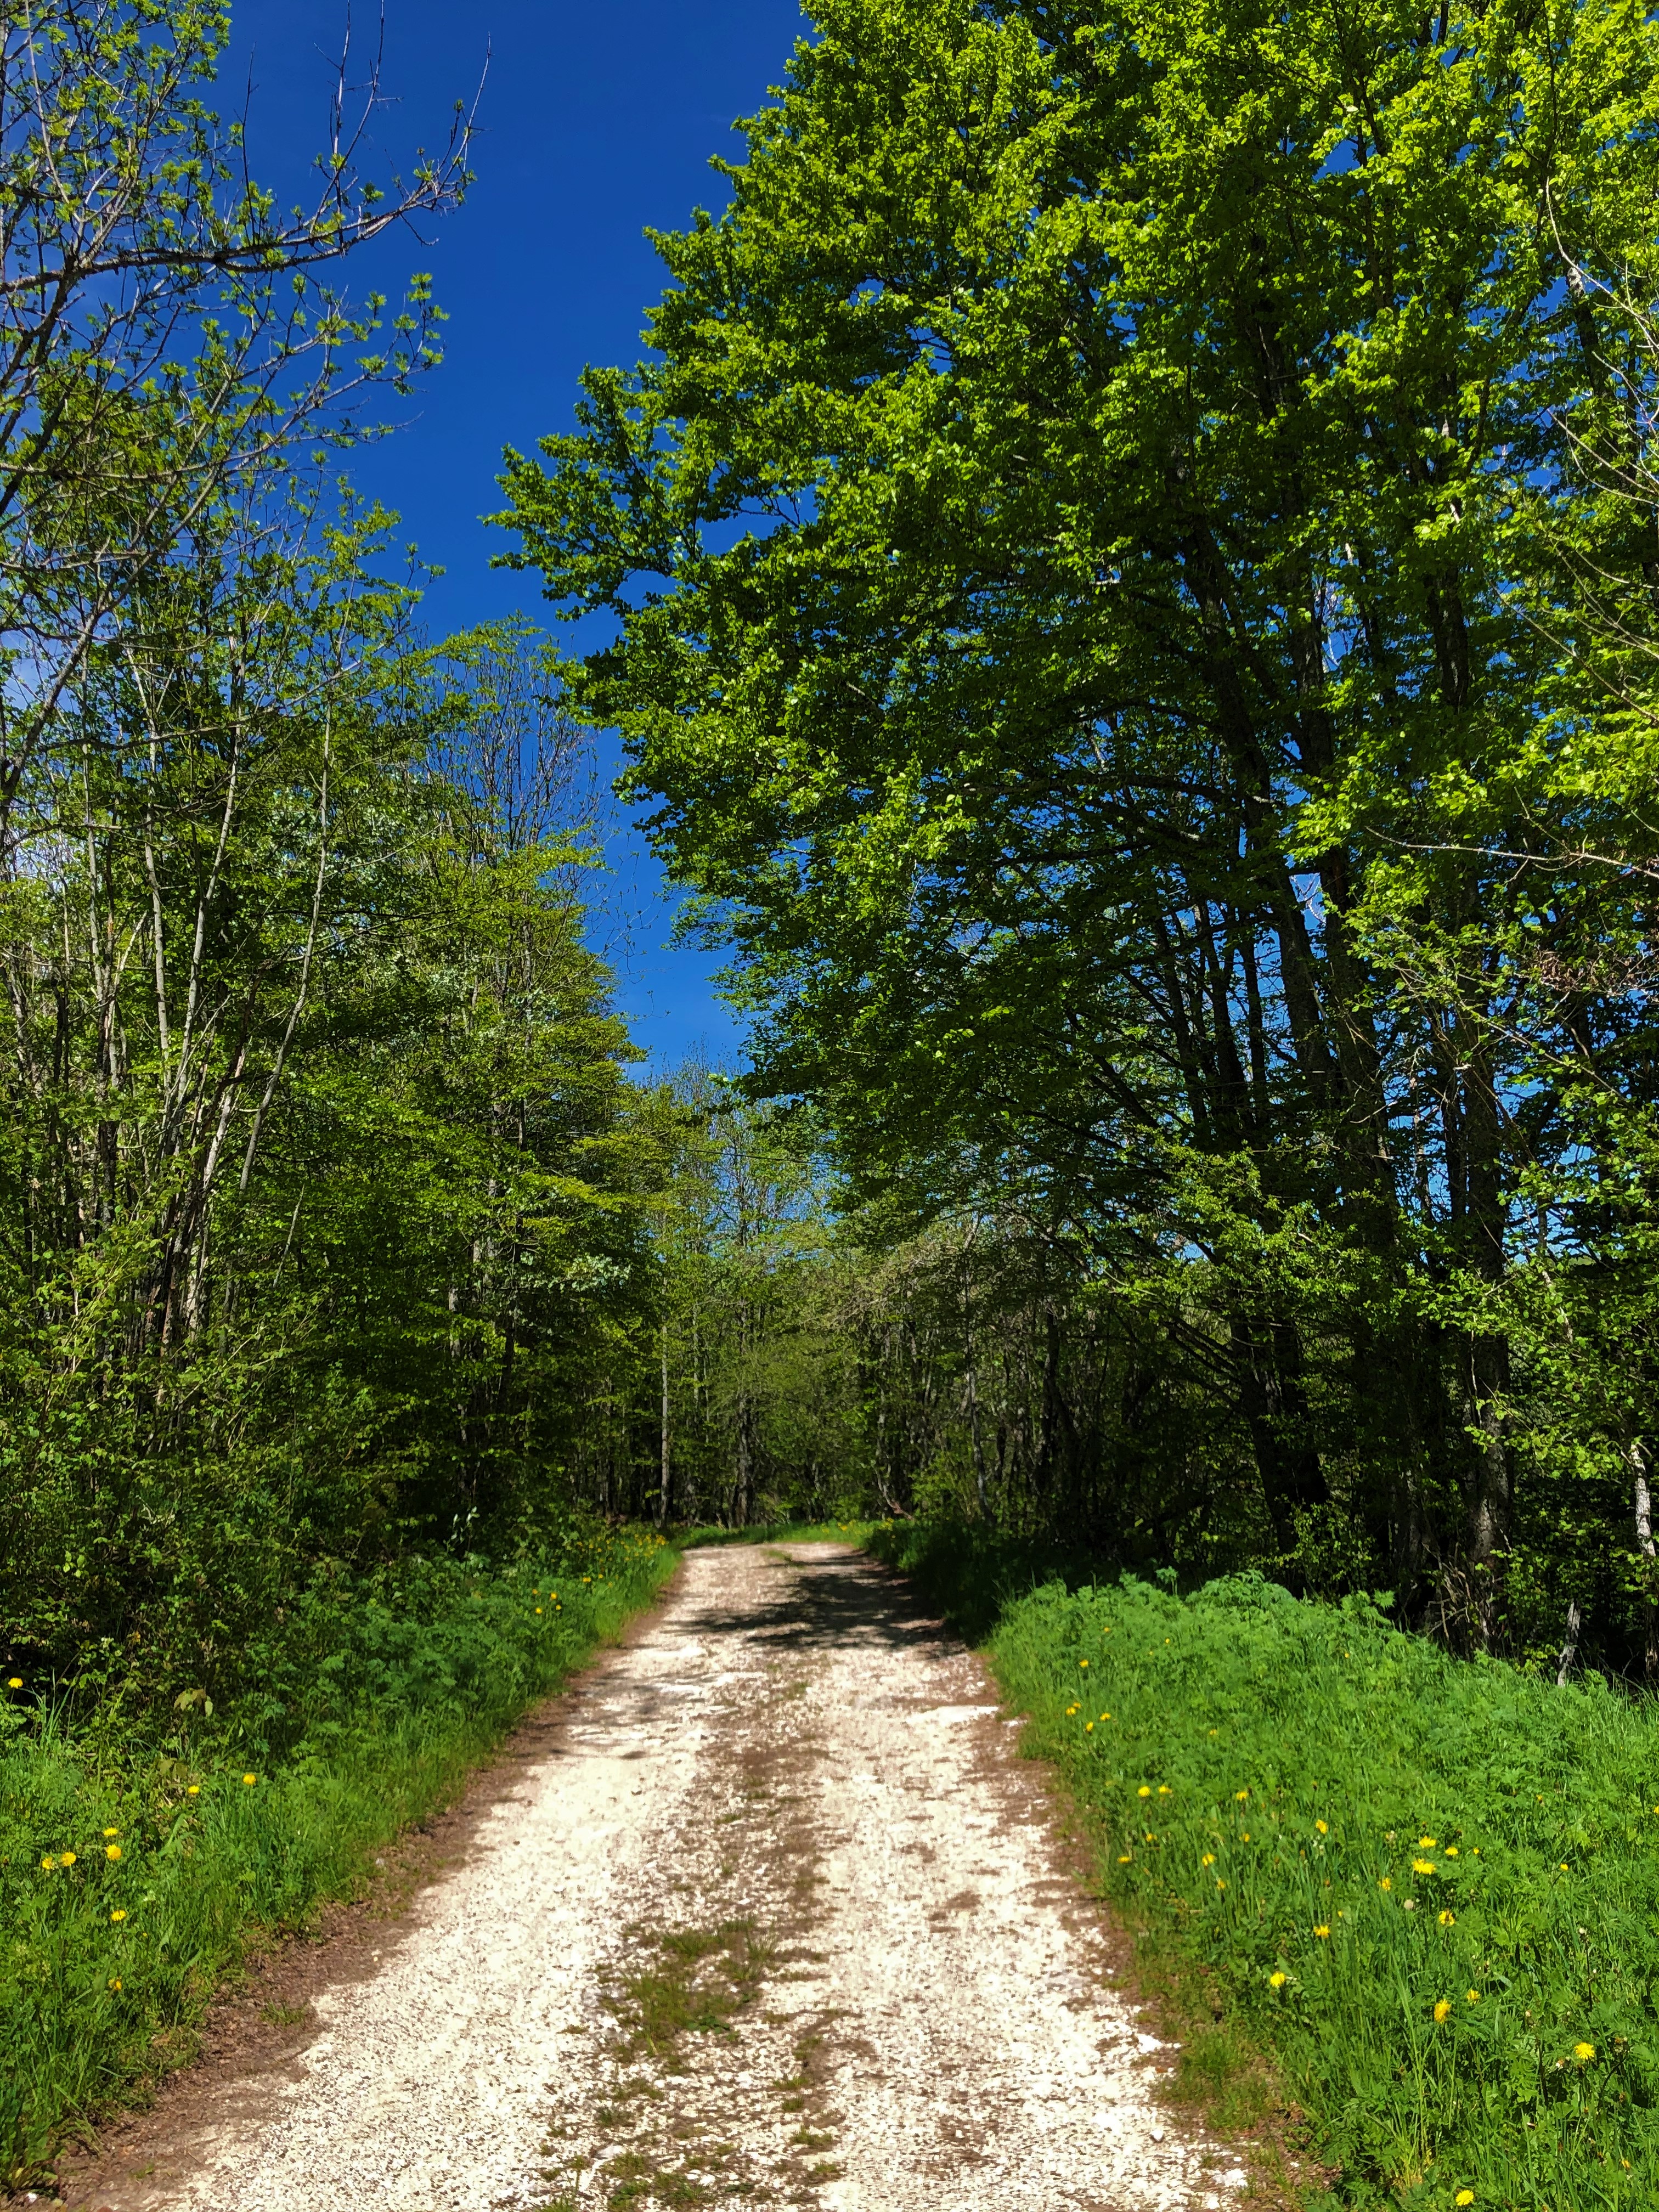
(1070, 560)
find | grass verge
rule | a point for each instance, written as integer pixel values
(775, 1531)
(1428, 1888)
(134, 1877)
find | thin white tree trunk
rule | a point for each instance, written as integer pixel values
(1570, 1648)
(662, 1493)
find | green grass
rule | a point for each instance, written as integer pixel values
(1253, 1771)
(135, 1876)
(777, 1531)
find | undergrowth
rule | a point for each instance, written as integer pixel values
(1429, 1887)
(136, 1870)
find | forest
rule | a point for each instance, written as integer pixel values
(1131, 590)
(1127, 575)
(1131, 566)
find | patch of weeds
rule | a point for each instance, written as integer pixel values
(282, 2015)
(695, 1982)
(1220, 2072)
(633, 2178)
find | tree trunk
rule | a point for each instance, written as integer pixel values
(1570, 1648)
(740, 1502)
(1269, 1356)
(1489, 1500)
(1638, 1460)
(662, 1491)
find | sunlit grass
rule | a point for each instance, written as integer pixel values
(777, 1531)
(1431, 1888)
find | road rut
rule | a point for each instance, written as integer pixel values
(778, 1918)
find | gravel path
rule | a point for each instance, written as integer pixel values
(778, 1919)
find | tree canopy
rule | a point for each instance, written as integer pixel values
(1131, 562)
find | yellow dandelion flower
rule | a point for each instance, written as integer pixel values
(1562, 1867)
(112, 1832)
(1209, 1859)
(1323, 1930)
(1443, 2010)
(1470, 1997)
(1447, 1919)
(48, 1865)
(1583, 2053)
(1387, 1882)
(16, 1683)
(1422, 1866)
(1144, 1790)
(1221, 1885)
(1451, 1851)
(116, 1982)
(538, 1611)
(1275, 1981)
(1426, 1843)
(1123, 1859)
(1082, 1662)
(112, 1850)
(1464, 2197)
(249, 1779)
(194, 1790)
(119, 1913)
(1322, 1829)
(1163, 1789)
(1246, 1837)
(1105, 1716)
(1240, 1795)
(66, 1859)
(1088, 1727)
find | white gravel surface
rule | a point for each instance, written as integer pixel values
(780, 1919)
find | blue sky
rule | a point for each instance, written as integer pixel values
(594, 121)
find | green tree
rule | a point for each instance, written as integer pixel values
(321, 1181)
(1083, 611)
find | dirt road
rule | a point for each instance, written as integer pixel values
(777, 1916)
